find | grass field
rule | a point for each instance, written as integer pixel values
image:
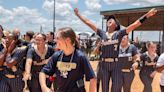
(137, 85)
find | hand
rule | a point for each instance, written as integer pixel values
(26, 76)
(152, 12)
(12, 46)
(45, 61)
(153, 74)
(135, 65)
(4, 44)
(76, 11)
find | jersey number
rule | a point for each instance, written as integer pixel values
(115, 47)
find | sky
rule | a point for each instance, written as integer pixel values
(34, 14)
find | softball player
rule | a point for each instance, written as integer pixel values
(37, 57)
(69, 64)
(128, 57)
(110, 48)
(13, 68)
(147, 72)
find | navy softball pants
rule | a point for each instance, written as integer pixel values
(127, 80)
(113, 70)
(146, 80)
(11, 84)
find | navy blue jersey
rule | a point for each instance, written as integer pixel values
(146, 60)
(32, 54)
(110, 45)
(17, 55)
(125, 56)
(82, 68)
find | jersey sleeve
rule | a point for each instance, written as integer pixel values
(30, 53)
(19, 54)
(50, 68)
(101, 33)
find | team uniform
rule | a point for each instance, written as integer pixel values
(34, 85)
(146, 70)
(126, 61)
(12, 77)
(109, 67)
(69, 70)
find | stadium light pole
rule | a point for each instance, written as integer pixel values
(54, 28)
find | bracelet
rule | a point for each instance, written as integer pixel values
(142, 19)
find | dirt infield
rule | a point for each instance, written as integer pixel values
(137, 86)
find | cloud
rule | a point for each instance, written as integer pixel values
(93, 5)
(135, 3)
(23, 18)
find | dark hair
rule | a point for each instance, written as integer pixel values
(52, 33)
(44, 36)
(1, 27)
(67, 32)
(117, 22)
(30, 34)
(2, 30)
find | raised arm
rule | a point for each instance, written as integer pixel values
(86, 21)
(138, 22)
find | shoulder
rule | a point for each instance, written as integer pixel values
(79, 53)
(49, 46)
(56, 54)
(21, 49)
(133, 46)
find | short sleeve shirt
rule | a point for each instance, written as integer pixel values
(125, 56)
(31, 54)
(18, 55)
(83, 67)
(110, 47)
(145, 60)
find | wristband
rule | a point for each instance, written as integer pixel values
(142, 19)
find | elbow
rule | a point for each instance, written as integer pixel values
(93, 80)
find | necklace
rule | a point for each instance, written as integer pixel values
(64, 67)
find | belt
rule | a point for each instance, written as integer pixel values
(110, 59)
(10, 76)
(149, 64)
(126, 70)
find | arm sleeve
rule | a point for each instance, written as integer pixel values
(101, 33)
(50, 68)
(19, 54)
(30, 53)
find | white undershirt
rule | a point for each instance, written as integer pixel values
(160, 62)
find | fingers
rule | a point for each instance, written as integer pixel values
(76, 11)
(153, 11)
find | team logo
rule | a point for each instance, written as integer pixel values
(64, 67)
